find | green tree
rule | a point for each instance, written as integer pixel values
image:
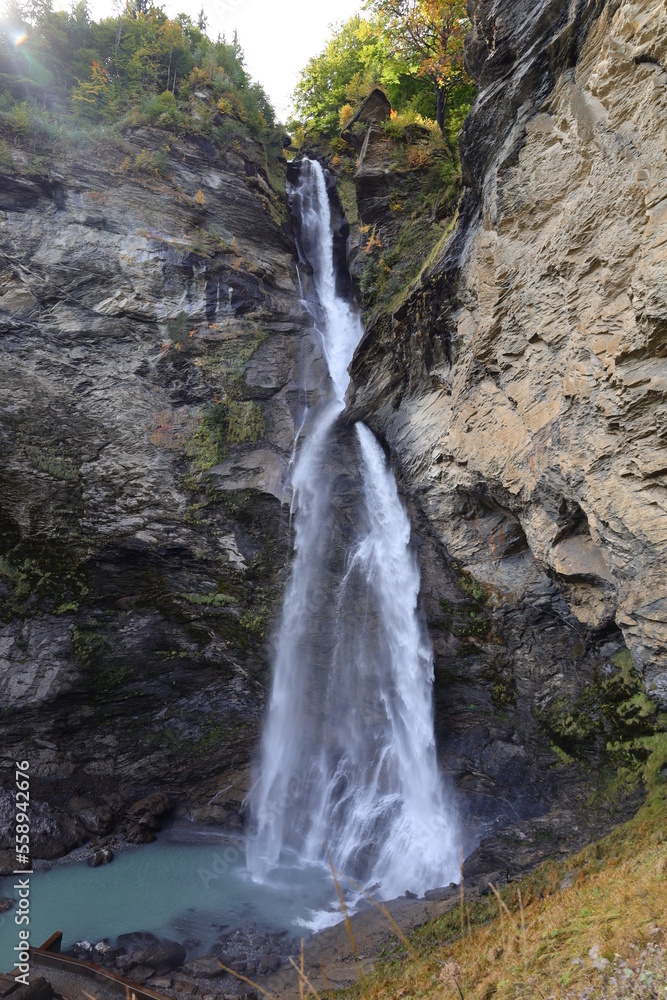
(171, 38)
(139, 61)
(427, 36)
(346, 71)
(34, 11)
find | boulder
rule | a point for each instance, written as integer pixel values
(375, 110)
(183, 988)
(149, 821)
(97, 819)
(53, 832)
(207, 966)
(145, 949)
(157, 804)
(140, 973)
(102, 857)
(161, 982)
(136, 833)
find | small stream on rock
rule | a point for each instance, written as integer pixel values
(348, 764)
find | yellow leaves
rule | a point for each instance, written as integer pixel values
(373, 242)
(98, 73)
(418, 158)
(346, 114)
(428, 34)
(91, 96)
(199, 198)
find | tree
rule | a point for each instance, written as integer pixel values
(137, 60)
(90, 98)
(172, 38)
(343, 73)
(34, 11)
(428, 36)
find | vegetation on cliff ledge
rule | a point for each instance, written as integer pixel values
(63, 74)
(411, 49)
(412, 52)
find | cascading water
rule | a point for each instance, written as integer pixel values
(348, 754)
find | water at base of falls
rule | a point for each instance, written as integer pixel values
(348, 763)
(191, 886)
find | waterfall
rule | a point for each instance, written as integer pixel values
(348, 753)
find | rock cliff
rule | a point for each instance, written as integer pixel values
(520, 385)
(154, 358)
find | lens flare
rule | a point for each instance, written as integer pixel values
(20, 39)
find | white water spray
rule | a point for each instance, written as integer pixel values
(348, 753)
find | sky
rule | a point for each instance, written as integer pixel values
(277, 38)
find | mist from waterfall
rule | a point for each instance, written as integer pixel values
(348, 753)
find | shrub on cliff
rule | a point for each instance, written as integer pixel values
(139, 67)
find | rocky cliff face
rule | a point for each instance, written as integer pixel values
(520, 385)
(154, 359)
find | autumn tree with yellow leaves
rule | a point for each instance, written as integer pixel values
(428, 36)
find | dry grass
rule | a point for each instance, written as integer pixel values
(602, 934)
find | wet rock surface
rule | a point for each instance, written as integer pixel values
(170, 968)
(155, 357)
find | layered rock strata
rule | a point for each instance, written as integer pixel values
(520, 386)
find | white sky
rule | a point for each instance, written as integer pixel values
(278, 39)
